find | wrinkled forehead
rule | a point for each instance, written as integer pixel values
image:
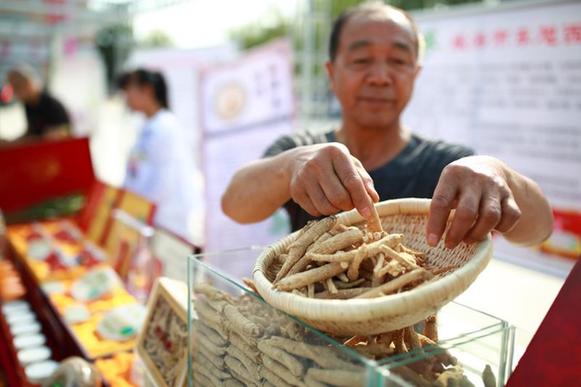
(387, 14)
(386, 17)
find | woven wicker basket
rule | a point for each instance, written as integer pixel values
(387, 313)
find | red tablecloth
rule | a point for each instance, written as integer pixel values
(553, 358)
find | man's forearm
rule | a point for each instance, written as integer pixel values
(536, 221)
(257, 190)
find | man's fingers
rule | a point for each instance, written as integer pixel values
(372, 193)
(510, 215)
(319, 200)
(489, 216)
(367, 180)
(308, 206)
(369, 186)
(464, 216)
(442, 202)
(300, 196)
(353, 183)
(336, 193)
(334, 181)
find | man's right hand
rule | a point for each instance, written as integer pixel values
(326, 179)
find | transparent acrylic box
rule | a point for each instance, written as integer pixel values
(235, 335)
(474, 338)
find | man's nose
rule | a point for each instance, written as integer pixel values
(380, 74)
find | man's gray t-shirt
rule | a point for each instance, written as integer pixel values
(414, 172)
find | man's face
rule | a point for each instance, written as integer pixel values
(375, 68)
(23, 88)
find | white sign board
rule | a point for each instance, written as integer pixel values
(507, 82)
(246, 106)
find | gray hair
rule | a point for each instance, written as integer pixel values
(367, 8)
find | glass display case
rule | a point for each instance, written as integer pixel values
(236, 339)
(475, 347)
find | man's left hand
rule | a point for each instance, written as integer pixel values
(477, 187)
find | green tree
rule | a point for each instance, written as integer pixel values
(156, 39)
(114, 43)
(255, 34)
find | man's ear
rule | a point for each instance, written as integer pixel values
(330, 69)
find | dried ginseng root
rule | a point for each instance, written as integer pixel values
(329, 260)
(309, 234)
(435, 367)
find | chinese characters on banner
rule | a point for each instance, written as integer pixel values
(246, 105)
(507, 82)
(549, 35)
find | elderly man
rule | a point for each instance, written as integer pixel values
(371, 156)
(46, 117)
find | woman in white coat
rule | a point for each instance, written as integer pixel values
(160, 168)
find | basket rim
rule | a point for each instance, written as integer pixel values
(364, 309)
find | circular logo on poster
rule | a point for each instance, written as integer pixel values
(230, 101)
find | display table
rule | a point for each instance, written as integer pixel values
(516, 294)
(52, 291)
(55, 279)
(58, 337)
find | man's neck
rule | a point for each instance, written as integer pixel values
(374, 147)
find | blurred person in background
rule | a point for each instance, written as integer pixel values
(374, 59)
(46, 116)
(160, 168)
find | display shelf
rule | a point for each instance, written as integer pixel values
(234, 336)
(60, 337)
(54, 286)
